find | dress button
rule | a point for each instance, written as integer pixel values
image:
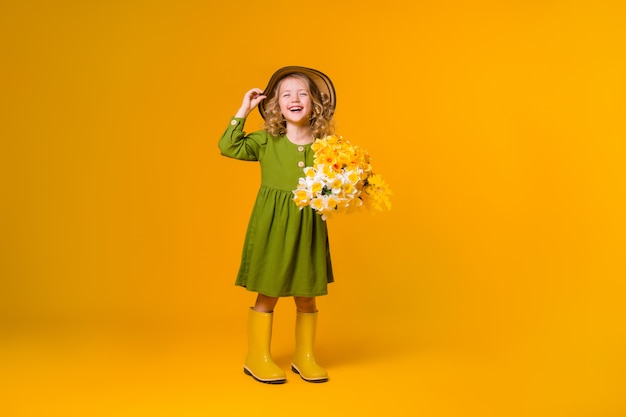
(300, 164)
(233, 122)
(300, 148)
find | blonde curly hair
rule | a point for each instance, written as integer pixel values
(321, 120)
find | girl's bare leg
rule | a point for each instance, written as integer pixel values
(265, 304)
(305, 304)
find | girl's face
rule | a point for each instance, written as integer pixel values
(294, 100)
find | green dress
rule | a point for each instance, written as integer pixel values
(286, 250)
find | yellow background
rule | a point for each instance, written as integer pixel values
(494, 287)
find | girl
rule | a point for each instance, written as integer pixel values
(286, 251)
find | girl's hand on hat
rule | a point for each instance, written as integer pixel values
(251, 99)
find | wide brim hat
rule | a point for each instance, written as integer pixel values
(321, 80)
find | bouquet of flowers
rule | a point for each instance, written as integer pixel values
(341, 180)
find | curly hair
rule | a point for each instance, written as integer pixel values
(321, 120)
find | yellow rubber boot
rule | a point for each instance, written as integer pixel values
(259, 363)
(303, 361)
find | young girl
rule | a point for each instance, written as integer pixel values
(286, 251)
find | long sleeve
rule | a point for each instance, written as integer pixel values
(234, 143)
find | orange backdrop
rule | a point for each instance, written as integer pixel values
(499, 126)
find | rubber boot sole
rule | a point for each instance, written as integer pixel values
(265, 381)
(315, 381)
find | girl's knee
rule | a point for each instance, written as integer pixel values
(265, 304)
(305, 304)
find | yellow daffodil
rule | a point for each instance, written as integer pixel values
(336, 183)
(317, 187)
(349, 188)
(309, 172)
(301, 197)
(353, 177)
(332, 202)
(317, 204)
